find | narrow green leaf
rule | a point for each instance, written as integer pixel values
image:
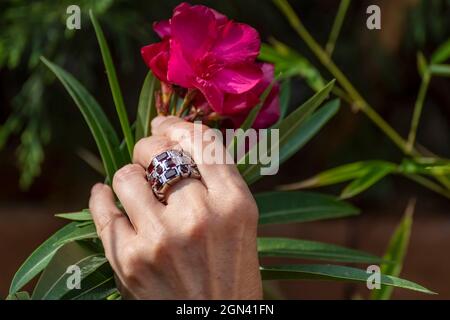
(100, 290)
(290, 63)
(114, 85)
(304, 133)
(40, 258)
(285, 97)
(101, 129)
(372, 176)
(287, 207)
(83, 215)
(22, 295)
(248, 123)
(304, 249)
(442, 53)
(440, 70)
(336, 175)
(334, 273)
(294, 132)
(146, 108)
(396, 252)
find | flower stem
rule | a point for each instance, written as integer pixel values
(325, 59)
(337, 26)
(187, 101)
(418, 111)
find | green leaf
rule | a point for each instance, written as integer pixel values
(334, 273)
(304, 249)
(147, 107)
(22, 295)
(285, 97)
(101, 129)
(100, 290)
(441, 70)
(442, 53)
(52, 284)
(114, 85)
(40, 258)
(336, 175)
(372, 176)
(294, 132)
(83, 215)
(290, 63)
(286, 207)
(396, 253)
(248, 123)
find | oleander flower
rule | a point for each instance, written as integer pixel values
(270, 111)
(201, 49)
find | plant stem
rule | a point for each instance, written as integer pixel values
(429, 184)
(418, 111)
(186, 102)
(324, 58)
(337, 26)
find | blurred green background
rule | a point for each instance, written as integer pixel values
(45, 142)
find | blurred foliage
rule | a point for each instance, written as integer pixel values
(428, 23)
(30, 29)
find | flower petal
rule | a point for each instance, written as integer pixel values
(221, 19)
(156, 56)
(162, 28)
(194, 29)
(270, 113)
(180, 69)
(237, 42)
(212, 94)
(239, 103)
(237, 79)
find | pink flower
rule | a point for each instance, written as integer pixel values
(156, 56)
(270, 111)
(207, 52)
(201, 49)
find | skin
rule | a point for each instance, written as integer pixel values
(201, 245)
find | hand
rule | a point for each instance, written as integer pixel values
(201, 245)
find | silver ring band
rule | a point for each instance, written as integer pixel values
(169, 167)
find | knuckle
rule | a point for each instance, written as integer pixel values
(124, 173)
(161, 247)
(242, 209)
(140, 146)
(161, 144)
(132, 261)
(156, 144)
(196, 230)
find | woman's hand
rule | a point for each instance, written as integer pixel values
(201, 245)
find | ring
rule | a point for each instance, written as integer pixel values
(169, 167)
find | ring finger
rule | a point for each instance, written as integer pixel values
(185, 190)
